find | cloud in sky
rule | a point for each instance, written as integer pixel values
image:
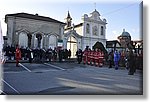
(114, 35)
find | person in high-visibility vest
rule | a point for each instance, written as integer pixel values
(96, 57)
(101, 58)
(89, 56)
(85, 52)
(92, 57)
(18, 55)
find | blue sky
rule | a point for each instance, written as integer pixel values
(119, 15)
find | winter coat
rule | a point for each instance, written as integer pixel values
(116, 56)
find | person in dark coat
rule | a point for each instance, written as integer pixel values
(49, 54)
(69, 53)
(7, 52)
(66, 54)
(60, 54)
(38, 53)
(132, 62)
(127, 59)
(55, 54)
(110, 59)
(43, 55)
(63, 54)
(12, 50)
(30, 55)
(79, 56)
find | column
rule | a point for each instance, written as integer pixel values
(29, 40)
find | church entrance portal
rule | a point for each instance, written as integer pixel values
(72, 45)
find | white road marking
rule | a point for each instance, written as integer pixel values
(11, 72)
(34, 71)
(2, 92)
(24, 67)
(54, 66)
(10, 86)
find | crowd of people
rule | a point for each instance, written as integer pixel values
(130, 59)
(37, 54)
(90, 57)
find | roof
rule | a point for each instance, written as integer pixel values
(78, 25)
(32, 16)
(110, 44)
(68, 16)
(75, 26)
(95, 12)
(113, 41)
(124, 33)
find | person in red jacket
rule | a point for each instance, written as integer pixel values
(101, 58)
(92, 57)
(96, 57)
(89, 57)
(85, 56)
(18, 55)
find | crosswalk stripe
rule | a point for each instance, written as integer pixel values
(54, 66)
(24, 67)
(10, 86)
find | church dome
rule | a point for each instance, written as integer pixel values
(125, 34)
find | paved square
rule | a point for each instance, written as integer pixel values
(69, 78)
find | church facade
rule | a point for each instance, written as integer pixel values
(92, 29)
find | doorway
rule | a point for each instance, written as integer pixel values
(72, 45)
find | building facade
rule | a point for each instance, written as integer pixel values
(92, 29)
(33, 31)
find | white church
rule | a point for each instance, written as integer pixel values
(92, 29)
(29, 30)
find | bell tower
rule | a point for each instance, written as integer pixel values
(68, 20)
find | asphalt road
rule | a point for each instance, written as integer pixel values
(69, 78)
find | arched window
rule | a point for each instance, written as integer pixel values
(102, 30)
(52, 41)
(95, 30)
(23, 39)
(87, 28)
